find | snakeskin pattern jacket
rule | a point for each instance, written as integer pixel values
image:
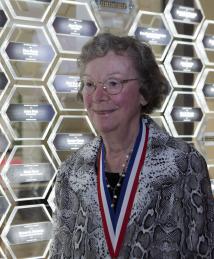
(173, 212)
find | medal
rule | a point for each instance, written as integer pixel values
(115, 221)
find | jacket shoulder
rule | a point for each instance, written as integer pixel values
(160, 137)
(86, 154)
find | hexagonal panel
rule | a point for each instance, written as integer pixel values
(33, 176)
(206, 137)
(34, 10)
(170, 90)
(183, 64)
(184, 17)
(114, 15)
(69, 134)
(4, 20)
(28, 52)
(160, 120)
(27, 233)
(205, 90)
(184, 114)
(4, 144)
(205, 42)
(28, 112)
(152, 28)
(71, 25)
(4, 205)
(64, 85)
(4, 81)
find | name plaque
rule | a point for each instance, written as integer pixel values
(3, 81)
(155, 36)
(30, 112)
(186, 114)
(66, 84)
(3, 143)
(208, 42)
(186, 14)
(186, 64)
(208, 90)
(29, 52)
(25, 173)
(68, 26)
(3, 205)
(29, 233)
(3, 18)
(69, 141)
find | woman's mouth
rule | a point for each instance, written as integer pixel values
(103, 112)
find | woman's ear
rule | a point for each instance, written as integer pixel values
(143, 101)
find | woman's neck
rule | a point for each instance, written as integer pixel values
(118, 146)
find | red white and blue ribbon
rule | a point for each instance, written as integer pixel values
(115, 221)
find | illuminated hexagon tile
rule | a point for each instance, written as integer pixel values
(30, 10)
(69, 134)
(205, 90)
(4, 205)
(152, 27)
(170, 90)
(184, 18)
(28, 52)
(183, 64)
(184, 114)
(28, 112)
(28, 231)
(115, 15)
(64, 85)
(31, 178)
(71, 25)
(4, 20)
(4, 81)
(4, 144)
(160, 120)
(205, 42)
(206, 137)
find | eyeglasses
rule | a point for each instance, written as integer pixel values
(111, 85)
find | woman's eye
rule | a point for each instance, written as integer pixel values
(89, 84)
(113, 83)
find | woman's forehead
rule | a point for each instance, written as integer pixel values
(111, 58)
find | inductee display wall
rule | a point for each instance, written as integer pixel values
(42, 122)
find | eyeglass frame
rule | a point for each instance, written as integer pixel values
(95, 83)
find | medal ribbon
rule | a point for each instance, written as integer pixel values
(115, 222)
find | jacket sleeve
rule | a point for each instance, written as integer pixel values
(199, 207)
(62, 230)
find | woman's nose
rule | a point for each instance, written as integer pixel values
(100, 92)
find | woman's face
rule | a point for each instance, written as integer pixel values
(113, 112)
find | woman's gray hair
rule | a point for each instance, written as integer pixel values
(153, 85)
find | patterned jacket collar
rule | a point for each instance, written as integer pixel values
(157, 137)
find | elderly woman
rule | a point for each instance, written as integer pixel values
(134, 191)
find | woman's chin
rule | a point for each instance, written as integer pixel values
(104, 128)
